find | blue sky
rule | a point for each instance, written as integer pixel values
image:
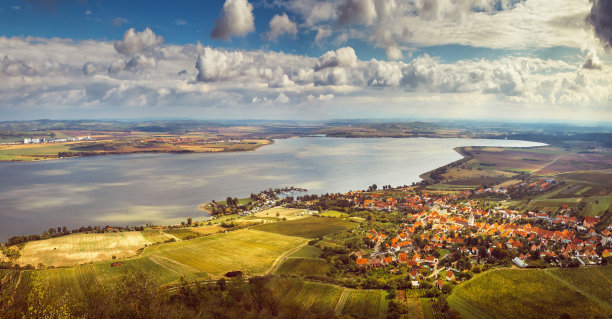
(305, 58)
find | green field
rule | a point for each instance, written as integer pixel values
(75, 279)
(281, 213)
(366, 304)
(595, 282)
(523, 294)
(247, 250)
(310, 297)
(307, 252)
(333, 213)
(427, 310)
(597, 205)
(31, 152)
(309, 227)
(83, 248)
(250, 251)
(304, 267)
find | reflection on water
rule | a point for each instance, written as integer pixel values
(166, 188)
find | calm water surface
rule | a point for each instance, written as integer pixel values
(166, 188)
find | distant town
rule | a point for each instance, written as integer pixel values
(39, 140)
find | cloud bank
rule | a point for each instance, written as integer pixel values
(140, 72)
(601, 19)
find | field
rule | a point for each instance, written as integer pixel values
(589, 190)
(76, 279)
(182, 233)
(288, 213)
(324, 298)
(584, 161)
(31, 152)
(208, 230)
(426, 307)
(250, 251)
(82, 248)
(365, 304)
(311, 297)
(595, 282)
(333, 213)
(307, 252)
(310, 227)
(106, 142)
(247, 250)
(304, 267)
(524, 293)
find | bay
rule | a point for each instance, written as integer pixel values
(166, 188)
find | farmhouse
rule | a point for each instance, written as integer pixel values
(519, 262)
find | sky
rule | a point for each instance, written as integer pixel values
(515, 60)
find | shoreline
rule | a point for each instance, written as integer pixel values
(154, 151)
(423, 176)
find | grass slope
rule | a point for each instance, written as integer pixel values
(304, 267)
(247, 250)
(82, 248)
(513, 293)
(593, 281)
(366, 304)
(309, 296)
(182, 233)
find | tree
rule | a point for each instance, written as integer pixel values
(189, 221)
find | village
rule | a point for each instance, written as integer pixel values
(446, 237)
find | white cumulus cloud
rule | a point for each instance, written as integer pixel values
(138, 42)
(279, 25)
(236, 19)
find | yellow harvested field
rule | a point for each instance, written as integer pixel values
(201, 148)
(83, 248)
(457, 173)
(289, 213)
(509, 183)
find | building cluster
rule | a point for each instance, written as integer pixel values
(186, 140)
(38, 140)
(440, 228)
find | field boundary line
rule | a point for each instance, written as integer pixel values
(14, 294)
(579, 290)
(341, 301)
(276, 263)
(152, 258)
(176, 238)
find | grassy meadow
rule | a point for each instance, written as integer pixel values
(309, 227)
(247, 250)
(83, 248)
(365, 303)
(530, 293)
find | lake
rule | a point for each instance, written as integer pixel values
(167, 188)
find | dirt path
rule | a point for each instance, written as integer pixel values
(543, 167)
(277, 263)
